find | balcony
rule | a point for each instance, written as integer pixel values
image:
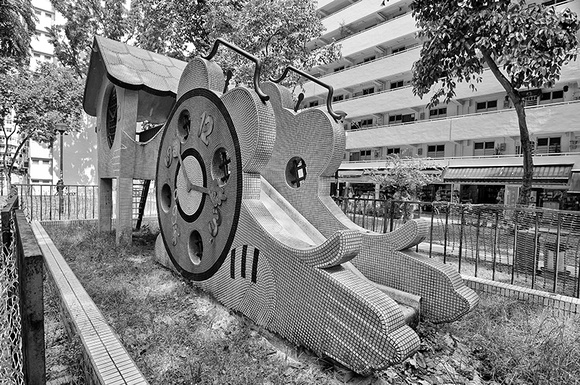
(355, 12)
(403, 98)
(542, 119)
(381, 68)
(390, 30)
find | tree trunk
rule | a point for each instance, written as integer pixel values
(516, 99)
(528, 162)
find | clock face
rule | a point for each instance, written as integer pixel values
(199, 184)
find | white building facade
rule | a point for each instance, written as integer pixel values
(475, 136)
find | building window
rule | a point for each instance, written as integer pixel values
(313, 104)
(370, 58)
(366, 122)
(397, 84)
(398, 49)
(489, 105)
(401, 118)
(438, 112)
(337, 98)
(367, 91)
(339, 69)
(365, 155)
(483, 148)
(436, 151)
(554, 95)
(396, 150)
(548, 145)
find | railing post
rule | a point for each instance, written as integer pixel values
(374, 213)
(41, 202)
(461, 229)
(495, 245)
(93, 188)
(385, 216)
(431, 231)
(364, 212)
(557, 251)
(50, 203)
(392, 221)
(536, 253)
(477, 240)
(515, 246)
(446, 229)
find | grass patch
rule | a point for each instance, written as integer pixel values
(524, 343)
(178, 334)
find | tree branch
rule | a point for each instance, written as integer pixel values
(13, 160)
(505, 83)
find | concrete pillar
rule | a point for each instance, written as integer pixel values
(377, 190)
(105, 203)
(124, 211)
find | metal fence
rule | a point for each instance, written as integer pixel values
(68, 202)
(11, 355)
(22, 359)
(529, 247)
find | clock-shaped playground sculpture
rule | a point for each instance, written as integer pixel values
(244, 237)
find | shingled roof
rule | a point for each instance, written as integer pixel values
(131, 68)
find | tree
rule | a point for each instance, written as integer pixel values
(17, 25)
(405, 177)
(276, 31)
(40, 100)
(84, 19)
(523, 45)
(176, 28)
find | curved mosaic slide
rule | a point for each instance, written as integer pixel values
(225, 228)
(315, 141)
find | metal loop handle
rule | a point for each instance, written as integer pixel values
(335, 115)
(248, 55)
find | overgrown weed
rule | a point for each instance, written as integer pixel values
(520, 343)
(178, 335)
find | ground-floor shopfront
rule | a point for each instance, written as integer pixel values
(555, 186)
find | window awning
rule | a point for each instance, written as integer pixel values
(545, 174)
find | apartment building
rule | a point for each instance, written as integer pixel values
(41, 163)
(475, 136)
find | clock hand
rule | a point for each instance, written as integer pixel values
(189, 186)
(201, 189)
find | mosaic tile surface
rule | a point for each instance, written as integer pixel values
(316, 138)
(222, 228)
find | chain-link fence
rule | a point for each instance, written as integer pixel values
(11, 354)
(529, 247)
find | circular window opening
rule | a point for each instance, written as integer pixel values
(220, 166)
(295, 172)
(195, 247)
(183, 125)
(111, 117)
(166, 197)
